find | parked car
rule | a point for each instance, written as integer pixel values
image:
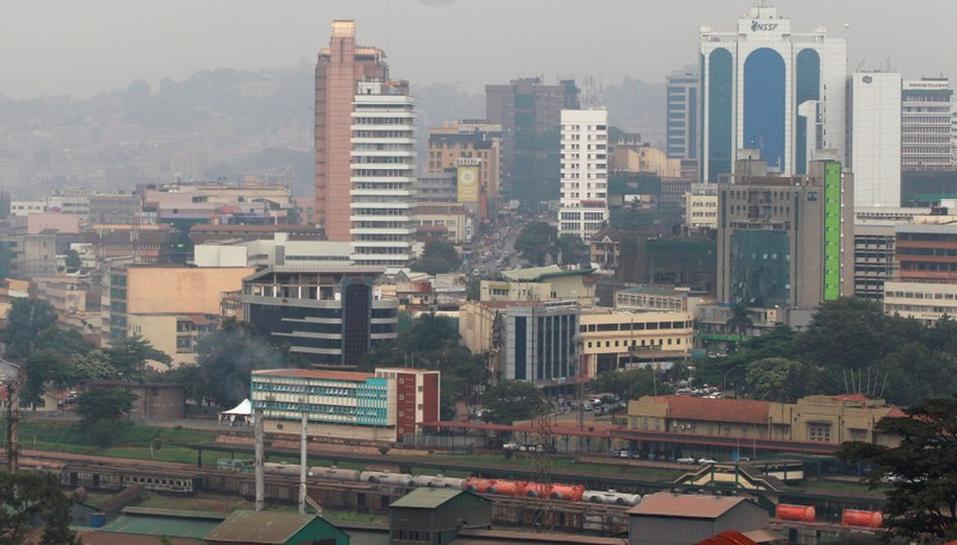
(686, 460)
(707, 461)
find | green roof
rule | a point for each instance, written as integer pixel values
(262, 527)
(161, 522)
(535, 274)
(426, 498)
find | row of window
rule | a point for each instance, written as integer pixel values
(635, 344)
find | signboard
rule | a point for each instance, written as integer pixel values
(468, 184)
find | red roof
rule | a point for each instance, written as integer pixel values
(667, 504)
(851, 397)
(316, 374)
(728, 537)
(744, 411)
(896, 412)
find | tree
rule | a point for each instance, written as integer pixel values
(27, 320)
(128, 356)
(630, 383)
(739, 322)
(226, 358)
(536, 242)
(27, 496)
(849, 332)
(922, 470)
(73, 262)
(439, 257)
(108, 404)
(512, 400)
(781, 379)
(572, 251)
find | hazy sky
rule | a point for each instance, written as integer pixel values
(82, 47)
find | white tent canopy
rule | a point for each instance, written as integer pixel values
(240, 413)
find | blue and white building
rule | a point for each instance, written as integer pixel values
(766, 88)
(682, 111)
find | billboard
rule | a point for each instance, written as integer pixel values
(468, 184)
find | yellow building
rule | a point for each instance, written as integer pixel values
(477, 325)
(541, 284)
(701, 211)
(615, 339)
(813, 419)
(465, 140)
(646, 159)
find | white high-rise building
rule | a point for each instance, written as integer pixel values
(926, 125)
(875, 138)
(383, 174)
(754, 82)
(584, 172)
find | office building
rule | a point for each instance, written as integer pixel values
(583, 208)
(382, 406)
(923, 301)
(773, 90)
(25, 208)
(328, 315)
(701, 211)
(682, 113)
(540, 343)
(785, 241)
(279, 250)
(926, 253)
(875, 138)
(874, 261)
(926, 124)
(540, 284)
(529, 111)
(383, 174)
(251, 201)
(338, 70)
(613, 339)
(116, 209)
(479, 144)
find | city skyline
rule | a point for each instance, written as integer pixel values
(176, 39)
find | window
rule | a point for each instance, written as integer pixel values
(819, 432)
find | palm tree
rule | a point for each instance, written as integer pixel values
(739, 321)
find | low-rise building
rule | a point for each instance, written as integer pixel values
(665, 518)
(541, 284)
(434, 516)
(279, 250)
(816, 419)
(382, 406)
(450, 222)
(701, 211)
(617, 339)
(924, 301)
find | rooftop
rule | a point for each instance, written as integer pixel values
(746, 411)
(265, 527)
(666, 504)
(537, 274)
(164, 522)
(427, 498)
(502, 537)
(315, 374)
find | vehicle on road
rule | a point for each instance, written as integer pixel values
(686, 460)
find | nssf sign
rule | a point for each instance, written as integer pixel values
(762, 26)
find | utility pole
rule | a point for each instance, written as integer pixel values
(302, 460)
(260, 475)
(13, 422)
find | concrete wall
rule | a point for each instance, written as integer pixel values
(181, 290)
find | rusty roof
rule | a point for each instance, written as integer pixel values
(264, 527)
(501, 537)
(728, 537)
(745, 411)
(315, 374)
(666, 504)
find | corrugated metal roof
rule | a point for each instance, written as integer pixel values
(500, 537)
(265, 527)
(666, 504)
(153, 525)
(315, 374)
(426, 498)
(104, 538)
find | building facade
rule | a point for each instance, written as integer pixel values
(328, 315)
(583, 208)
(619, 339)
(874, 261)
(924, 301)
(770, 89)
(478, 142)
(701, 211)
(926, 124)
(384, 406)
(383, 174)
(338, 70)
(875, 138)
(926, 253)
(540, 343)
(786, 241)
(682, 113)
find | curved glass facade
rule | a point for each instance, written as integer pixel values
(764, 98)
(808, 71)
(719, 97)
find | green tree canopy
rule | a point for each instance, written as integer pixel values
(439, 257)
(104, 404)
(129, 357)
(27, 321)
(536, 242)
(28, 496)
(512, 400)
(922, 503)
(573, 251)
(781, 379)
(630, 383)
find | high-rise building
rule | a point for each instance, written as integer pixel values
(875, 138)
(383, 174)
(529, 112)
(874, 262)
(682, 110)
(926, 253)
(476, 147)
(785, 241)
(765, 87)
(926, 124)
(338, 69)
(584, 172)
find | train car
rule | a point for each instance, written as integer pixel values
(567, 492)
(438, 481)
(273, 468)
(477, 484)
(334, 473)
(866, 519)
(385, 477)
(610, 497)
(798, 513)
(508, 488)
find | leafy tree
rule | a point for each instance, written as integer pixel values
(111, 405)
(27, 496)
(512, 400)
(781, 379)
(226, 358)
(922, 503)
(73, 261)
(849, 332)
(439, 257)
(739, 321)
(630, 383)
(536, 242)
(94, 365)
(27, 320)
(44, 368)
(128, 356)
(572, 251)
